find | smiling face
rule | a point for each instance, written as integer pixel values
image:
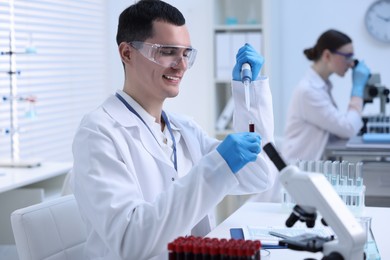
(146, 81)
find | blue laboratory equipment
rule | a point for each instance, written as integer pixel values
(378, 130)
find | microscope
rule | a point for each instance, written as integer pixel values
(313, 193)
(374, 89)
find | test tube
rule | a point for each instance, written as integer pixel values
(343, 180)
(359, 174)
(328, 169)
(343, 173)
(360, 189)
(251, 126)
(296, 163)
(351, 183)
(335, 174)
(302, 165)
(320, 166)
(311, 166)
(351, 174)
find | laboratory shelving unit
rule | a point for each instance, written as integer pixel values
(235, 23)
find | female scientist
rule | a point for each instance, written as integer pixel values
(143, 176)
(313, 118)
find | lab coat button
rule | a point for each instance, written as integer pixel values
(173, 179)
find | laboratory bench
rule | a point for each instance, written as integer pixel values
(275, 215)
(21, 187)
(355, 149)
(376, 166)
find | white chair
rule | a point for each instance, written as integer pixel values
(51, 230)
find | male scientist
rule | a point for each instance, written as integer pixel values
(143, 176)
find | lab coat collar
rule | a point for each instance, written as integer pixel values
(115, 108)
(317, 81)
(145, 115)
(149, 119)
(119, 112)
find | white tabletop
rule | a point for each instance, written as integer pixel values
(13, 178)
(273, 214)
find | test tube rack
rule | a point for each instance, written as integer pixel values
(345, 177)
(378, 124)
(205, 248)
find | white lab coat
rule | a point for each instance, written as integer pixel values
(124, 185)
(312, 117)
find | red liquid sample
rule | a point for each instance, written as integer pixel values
(251, 127)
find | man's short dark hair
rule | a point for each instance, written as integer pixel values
(136, 21)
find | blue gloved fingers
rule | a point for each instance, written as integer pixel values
(360, 75)
(254, 59)
(253, 141)
(239, 149)
(247, 54)
(254, 148)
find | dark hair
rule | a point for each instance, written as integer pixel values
(330, 40)
(136, 21)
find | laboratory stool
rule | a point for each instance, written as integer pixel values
(51, 230)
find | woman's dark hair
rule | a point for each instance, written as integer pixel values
(136, 21)
(330, 40)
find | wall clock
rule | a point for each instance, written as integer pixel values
(377, 20)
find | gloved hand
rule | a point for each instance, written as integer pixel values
(247, 54)
(360, 76)
(240, 148)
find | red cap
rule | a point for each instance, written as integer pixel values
(171, 247)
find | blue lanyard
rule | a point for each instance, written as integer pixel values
(167, 123)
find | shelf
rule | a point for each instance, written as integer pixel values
(222, 81)
(238, 27)
(236, 23)
(237, 13)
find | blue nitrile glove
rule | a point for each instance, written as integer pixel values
(247, 54)
(240, 148)
(360, 76)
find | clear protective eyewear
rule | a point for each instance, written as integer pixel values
(348, 56)
(166, 55)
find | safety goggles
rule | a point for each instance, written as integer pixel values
(348, 56)
(166, 55)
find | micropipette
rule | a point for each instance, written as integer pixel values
(246, 78)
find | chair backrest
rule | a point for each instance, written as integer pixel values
(51, 230)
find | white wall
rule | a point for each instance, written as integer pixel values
(289, 27)
(197, 95)
(296, 25)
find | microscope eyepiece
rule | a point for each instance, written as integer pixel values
(270, 150)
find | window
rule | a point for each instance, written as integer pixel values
(67, 75)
